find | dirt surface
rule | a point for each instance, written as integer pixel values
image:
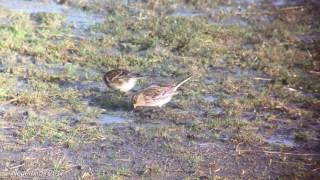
(251, 110)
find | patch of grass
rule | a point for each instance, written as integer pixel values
(303, 135)
(41, 129)
(120, 173)
(60, 165)
(80, 107)
(38, 94)
(14, 29)
(152, 169)
(7, 90)
(226, 122)
(300, 174)
(146, 39)
(51, 21)
(18, 33)
(248, 136)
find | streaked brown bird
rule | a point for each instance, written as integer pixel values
(121, 79)
(156, 95)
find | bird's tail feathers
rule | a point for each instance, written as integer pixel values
(182, 82)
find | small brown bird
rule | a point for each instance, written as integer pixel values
(156, 95)
(121, 79)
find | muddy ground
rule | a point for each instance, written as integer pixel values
(251, 110)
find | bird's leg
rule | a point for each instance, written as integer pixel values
(127, 93)
(121, 94)
(151, 110)
(132, 108)
(162, 110)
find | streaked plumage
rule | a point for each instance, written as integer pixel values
(121, 79)
(156, 95)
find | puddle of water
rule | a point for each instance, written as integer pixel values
(249, 1)
(224, 137)
(248, 45)
(22, 85)
(236, 73)
(187, 13)
(3, 68)
(283, 3)
(280, 140)
(209, 80)
(110, 51)
(107, 119)
(229, 21)
(77, 17)
(308, 39)
(218, 111)
(239, 73)
(210, 98)
(70, 70)
(222, 10)
(6, 107)
(85, 86)
(214, 112)
(130, 2)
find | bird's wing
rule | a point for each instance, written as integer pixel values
(116, 74)
(125, 74)
(154, 93)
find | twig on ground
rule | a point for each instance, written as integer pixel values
(238, 148)
(316, 169)
(239, 151)
(315, 72)
(15, 167)
(10, 101)
(283, 153)
(282, 10)
(263, 79)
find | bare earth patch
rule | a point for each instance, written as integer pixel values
(251, 110)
